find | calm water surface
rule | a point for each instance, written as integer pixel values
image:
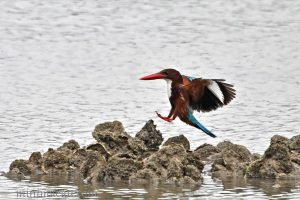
(66, 66)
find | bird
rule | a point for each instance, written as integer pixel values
(188, 94)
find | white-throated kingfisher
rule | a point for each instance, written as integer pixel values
(187, 94)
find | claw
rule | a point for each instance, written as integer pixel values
(163, 118)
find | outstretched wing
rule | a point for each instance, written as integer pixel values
(208, 94)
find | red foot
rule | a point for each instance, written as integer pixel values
(164, 118)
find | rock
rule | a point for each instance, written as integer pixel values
(100, 148)
(232, 160)
(114, 140)
(119, 156)
(71, 145)
(174, 169)
(295, 157)
(35, 158)
(166, 154)
(192, 172)
(55, 161)
(145, 174)
(93, 162)
(194, 160)
(204, 151)
(119, 168)
(15, 174)
(110, 133)
(278, 139)
(181, 139)
(136, 146)
(277, 151)
(294, 143)
(189, 181)
(276, 161)
(78, 158)
(150, 136)
(108, 128)
(35, 163)
(171, 163)
(256, 156)
(20, 167)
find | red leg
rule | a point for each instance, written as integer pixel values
(164, 118)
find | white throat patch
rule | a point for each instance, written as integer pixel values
(169, 86)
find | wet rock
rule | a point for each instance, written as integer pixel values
(295, 157)
(119, 168)
(71, 145)
(114, 140)
(189, 181)
(278, 139)
(15, 174)
(294, 143)
(174, 169)
(92, 163)
(171, 163)
(35, 158)
(256, 156)
(195, 161)
(278, 150)
(145, 174)
(181, 139)
(166, 154)
(108, 128)
(119, 156)
(20, 167)
(232, 160)
(276, 161)
(78, 158)
(150, 136)
(204, 151)
(112, 136)
(192, 171)
(136, 146)
(110, 133)
(100, 148)
(35, 163)
(55, 162)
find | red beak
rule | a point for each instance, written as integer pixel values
(153, 76)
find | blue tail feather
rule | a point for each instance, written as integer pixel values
(198, 125)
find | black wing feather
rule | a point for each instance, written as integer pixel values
(201, 98)
(227, 90)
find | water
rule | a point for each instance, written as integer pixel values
(69, 65)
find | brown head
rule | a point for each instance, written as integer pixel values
(167, 74)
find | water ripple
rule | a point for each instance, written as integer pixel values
(68, 65)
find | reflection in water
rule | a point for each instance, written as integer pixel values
(64, 184)
(214, 188)
(270, 187)
(66, 66)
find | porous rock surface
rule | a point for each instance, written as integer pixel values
(281, 160)
(116, 155)
(232, 159)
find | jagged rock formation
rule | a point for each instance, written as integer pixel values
(280, 160)
(232, 160)
(116, 155)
